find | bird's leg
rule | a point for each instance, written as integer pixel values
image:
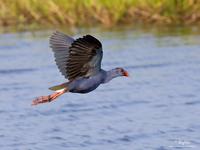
(49, 98)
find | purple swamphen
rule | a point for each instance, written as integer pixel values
(80, 62)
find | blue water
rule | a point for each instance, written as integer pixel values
(156, 108)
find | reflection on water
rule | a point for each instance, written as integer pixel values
(156, 108)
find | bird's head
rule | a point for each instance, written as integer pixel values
(121, 72)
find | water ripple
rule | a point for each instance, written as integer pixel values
(148, 66)
(193, 102)
(14, 71)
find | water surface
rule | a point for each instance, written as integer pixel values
(157, 108)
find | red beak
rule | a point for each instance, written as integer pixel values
(126, 74)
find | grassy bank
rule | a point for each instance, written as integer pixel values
(97, 12)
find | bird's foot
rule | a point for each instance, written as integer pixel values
(46, 99)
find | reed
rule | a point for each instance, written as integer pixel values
(94, 12)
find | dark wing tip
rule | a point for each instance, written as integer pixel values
(81, 52)
(92, 40)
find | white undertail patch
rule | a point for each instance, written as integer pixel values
(60, 90)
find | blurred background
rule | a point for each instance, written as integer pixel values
(156, 108)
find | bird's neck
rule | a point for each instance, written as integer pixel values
(109, 75)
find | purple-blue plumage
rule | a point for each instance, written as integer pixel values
(87, 84)
(80, 62)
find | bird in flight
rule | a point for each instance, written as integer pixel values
(79, 60)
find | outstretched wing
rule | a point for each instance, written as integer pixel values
(60, 43)
(76, 58)
(85, 55)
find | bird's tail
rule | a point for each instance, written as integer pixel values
(59, 87)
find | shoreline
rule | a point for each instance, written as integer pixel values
(105, 13)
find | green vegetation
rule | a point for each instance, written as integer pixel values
(97, 12)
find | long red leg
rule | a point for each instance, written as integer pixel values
(49, 98)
